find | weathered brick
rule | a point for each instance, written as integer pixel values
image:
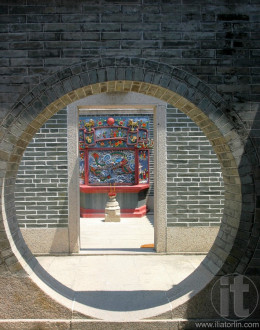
(193, 162)
(40, 177)
(218, 43)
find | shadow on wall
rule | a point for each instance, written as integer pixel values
(238, 263)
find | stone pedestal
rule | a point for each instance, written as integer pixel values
(112, 210)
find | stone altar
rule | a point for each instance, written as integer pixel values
(112, 209)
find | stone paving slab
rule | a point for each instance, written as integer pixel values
(124, 237)
(121, 287)
(113, 278)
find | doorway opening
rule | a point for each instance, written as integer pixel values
(192, 182)
(197, 106)
(116, 177)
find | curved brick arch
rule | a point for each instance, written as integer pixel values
(172, 85)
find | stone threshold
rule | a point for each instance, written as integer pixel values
(82, 254)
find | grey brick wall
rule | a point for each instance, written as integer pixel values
(217, 42)
(42, 181)
(194, 181)
(195, 191)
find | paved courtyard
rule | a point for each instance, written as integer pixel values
(113, 278)
(126, 236)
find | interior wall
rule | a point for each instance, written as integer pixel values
(215, 125)
(41, 188)
(194, 182)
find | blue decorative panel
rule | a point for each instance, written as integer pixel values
(115, 149)
(111, 166)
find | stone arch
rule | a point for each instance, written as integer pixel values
(177, 87)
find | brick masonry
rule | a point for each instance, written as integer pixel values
(42, 180)
(209, 47)
(41, 189)
(238, 219)
(194, 181)
(195, 192)
(216, 42)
